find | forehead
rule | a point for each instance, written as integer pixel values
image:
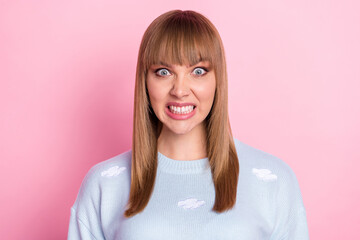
(175, 52)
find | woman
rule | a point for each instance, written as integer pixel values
(186, 177)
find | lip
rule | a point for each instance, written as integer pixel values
(179, 104)
(180, 116)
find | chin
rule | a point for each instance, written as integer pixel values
(179, 130)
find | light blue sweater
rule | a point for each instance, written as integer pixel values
(268, 204)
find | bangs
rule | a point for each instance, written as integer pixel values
(183, 41)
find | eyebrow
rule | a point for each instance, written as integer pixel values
(165, 64)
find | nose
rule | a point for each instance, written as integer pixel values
(180, 87)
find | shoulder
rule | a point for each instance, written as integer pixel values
(269, 175)
(103, 176)
(112, 166)
(275, 187)
(263, 165)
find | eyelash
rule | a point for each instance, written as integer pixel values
(205, 69)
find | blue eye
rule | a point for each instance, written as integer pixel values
(199, 71)
(162, 72)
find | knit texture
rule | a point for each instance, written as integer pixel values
(268, 204)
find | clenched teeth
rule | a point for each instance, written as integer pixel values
(181, 110)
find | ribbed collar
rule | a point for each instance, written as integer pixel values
(169, 165)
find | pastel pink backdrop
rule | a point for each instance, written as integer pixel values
(67, 77)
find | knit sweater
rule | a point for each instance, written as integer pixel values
(268, 203)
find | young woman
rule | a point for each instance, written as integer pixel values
(186, 177)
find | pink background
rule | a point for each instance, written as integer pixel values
(67, 73)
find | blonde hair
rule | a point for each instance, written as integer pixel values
(182, 37)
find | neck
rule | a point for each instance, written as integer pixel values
(189, 146)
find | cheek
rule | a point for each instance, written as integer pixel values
(207, 92)
(156, 94)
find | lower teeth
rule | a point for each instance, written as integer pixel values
(181, 112)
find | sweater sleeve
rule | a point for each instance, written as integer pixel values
(85, 219)
(291, 223)
(77, 229)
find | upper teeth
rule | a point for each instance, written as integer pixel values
(184, 109)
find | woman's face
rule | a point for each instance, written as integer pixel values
(181, 96)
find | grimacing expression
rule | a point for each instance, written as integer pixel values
(176, 84)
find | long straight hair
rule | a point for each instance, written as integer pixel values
(182, 37)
